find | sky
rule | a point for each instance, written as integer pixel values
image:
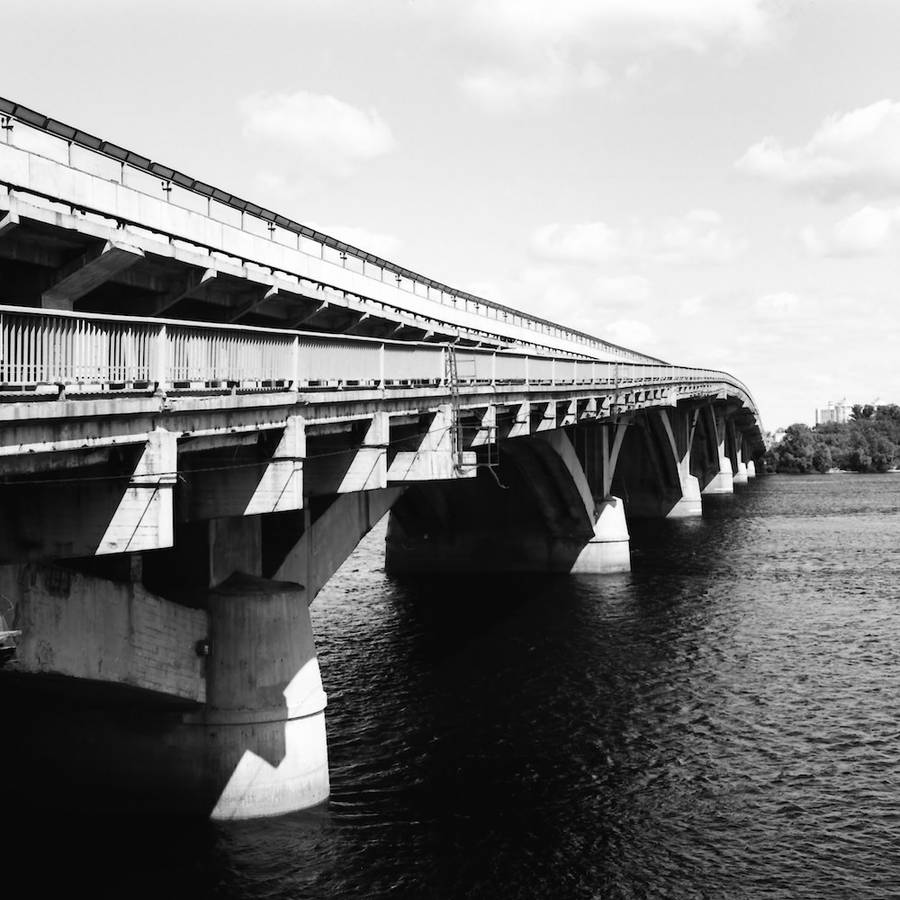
(713, 182)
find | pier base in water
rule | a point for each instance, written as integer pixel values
(608, 550)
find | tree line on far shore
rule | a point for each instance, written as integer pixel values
(869, 442)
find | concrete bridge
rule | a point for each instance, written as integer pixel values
(204, 406)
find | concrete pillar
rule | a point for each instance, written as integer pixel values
(740, 476)
(608, 550)
(690, 503)
(681, 440)
(751, 469)
(264, 724)
(723, 481)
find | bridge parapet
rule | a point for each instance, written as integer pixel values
(63, 353)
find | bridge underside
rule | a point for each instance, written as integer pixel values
(183, 675)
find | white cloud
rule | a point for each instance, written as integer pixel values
(690, 306)
(699, 236)
(586, 39)
(586, 242)
(630, 333)
(324, 131)
(692, 24)
(870, 231)
(498, 89)
(852, 153)
(779, 305)
(621, 289)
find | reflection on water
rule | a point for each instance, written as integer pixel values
(722, 722)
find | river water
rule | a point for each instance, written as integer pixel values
(722, 722)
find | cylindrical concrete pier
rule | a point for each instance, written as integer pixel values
(608, 550)
(690, 504)
(264, 723)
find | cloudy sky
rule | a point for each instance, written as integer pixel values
(716, 182)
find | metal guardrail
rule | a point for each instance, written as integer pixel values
(141, 173)
(103, 354)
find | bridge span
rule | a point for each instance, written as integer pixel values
(205, 406)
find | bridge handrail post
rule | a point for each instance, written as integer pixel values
(161, 359)
(381, 372)
(295, 362)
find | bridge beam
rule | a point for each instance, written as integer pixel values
(124, 505)
(432, 459)
(229, 485)
(88, 272)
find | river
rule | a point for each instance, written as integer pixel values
(722, 722)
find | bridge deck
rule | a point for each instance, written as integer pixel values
(101, 216)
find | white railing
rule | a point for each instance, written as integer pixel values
(91, 353)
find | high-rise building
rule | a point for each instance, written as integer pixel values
(837, 411)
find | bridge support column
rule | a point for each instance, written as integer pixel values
(609, 550)
(723, 481)
(263, 728)
(751, 469)
(739, 467)
(681, 439)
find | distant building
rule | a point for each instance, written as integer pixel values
(837, 411)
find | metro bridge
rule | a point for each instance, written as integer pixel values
(204, 406)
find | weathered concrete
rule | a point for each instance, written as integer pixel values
(86, 627)
(264, 721)
(608, 550)
(723, 482)
(690, 504)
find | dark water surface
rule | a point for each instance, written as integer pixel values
(722, 722)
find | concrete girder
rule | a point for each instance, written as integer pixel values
(360, 467)
(87, 513)
(9, 221)
(521, 424)
(197, 281)
(88, 272)
(262, 296)
(308, 316)
(486, 428)
(246, 488)
(432, 459)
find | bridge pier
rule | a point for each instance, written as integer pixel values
(263, 726)
(680, 428)
(723, 481)
(544, 509)
(609, 550)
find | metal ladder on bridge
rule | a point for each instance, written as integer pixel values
(452, 377)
